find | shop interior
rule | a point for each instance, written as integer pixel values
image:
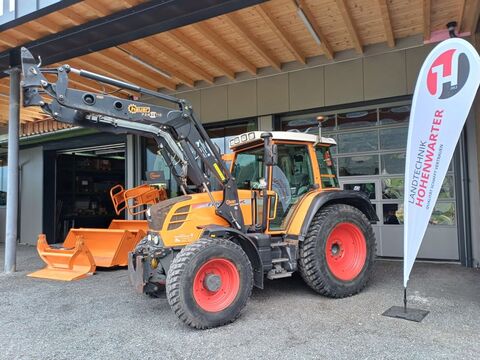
(84, 178)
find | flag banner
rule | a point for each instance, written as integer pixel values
(444, 93)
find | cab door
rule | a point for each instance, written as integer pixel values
(290, 179)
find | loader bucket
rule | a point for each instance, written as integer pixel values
(131, 225)
(109, 247)
(137, 227)
(64, 264)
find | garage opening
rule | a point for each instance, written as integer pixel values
(84, 177)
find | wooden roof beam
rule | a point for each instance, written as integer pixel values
(324, 44)
(178, 37)
(23, 31)
(224, 47)
(130, 3)
(74, 18)
(8, 40)
(283, 35)
(234, 22)
(427, 13)
(347, 18)
(387, 24)
(108, 58)
(96, 7)
(156, 77)
(473, 17)
(135, 51)
(169, 53)
(47, 24)
(461, 14)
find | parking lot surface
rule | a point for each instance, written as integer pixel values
(102, 317)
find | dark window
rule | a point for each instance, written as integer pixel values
(357, 119)
(221, 134)
(309, 123)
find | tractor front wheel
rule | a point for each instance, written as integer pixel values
(209, 283)
(336, 258)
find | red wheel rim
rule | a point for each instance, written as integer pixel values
(346, 251)
(216, 285)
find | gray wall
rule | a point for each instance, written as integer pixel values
(472, 131)
(371, 77)
(473, 153)
(3, 212)
(31, 194)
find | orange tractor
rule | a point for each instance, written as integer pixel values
(85, 249)
(277, 210)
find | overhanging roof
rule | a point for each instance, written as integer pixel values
(267, 35)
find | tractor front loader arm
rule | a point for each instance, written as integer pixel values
(181, 139)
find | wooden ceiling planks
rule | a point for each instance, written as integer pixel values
(266, 35)
(73, 15)
(345, 11)
(283, 35)
(444, 9)
(387, 24)
(313, 20)
(208, 62)
(236, 25)
(231, 51)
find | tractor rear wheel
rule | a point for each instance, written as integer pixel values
(336, 258)
(209, 283)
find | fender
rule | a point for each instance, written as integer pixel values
(356, 199)
(245, 243)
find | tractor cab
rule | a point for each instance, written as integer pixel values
(299, 164)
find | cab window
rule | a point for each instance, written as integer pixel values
(248, 169)
(328, 173)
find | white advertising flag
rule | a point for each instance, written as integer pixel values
(444, 93)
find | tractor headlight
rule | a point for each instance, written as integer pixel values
(156, 239)
(149, 237)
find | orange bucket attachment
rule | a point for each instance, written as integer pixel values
(118, 200)
(109, 247)
(130, 225)
(84, 249)
(137, 199)
(65, 264)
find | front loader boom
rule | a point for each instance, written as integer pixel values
(181, 139)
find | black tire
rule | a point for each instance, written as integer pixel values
(313, 265)
(181, 277)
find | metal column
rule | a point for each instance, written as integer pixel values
(12, 185)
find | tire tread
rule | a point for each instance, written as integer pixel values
(307, 264)
(177, 268)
